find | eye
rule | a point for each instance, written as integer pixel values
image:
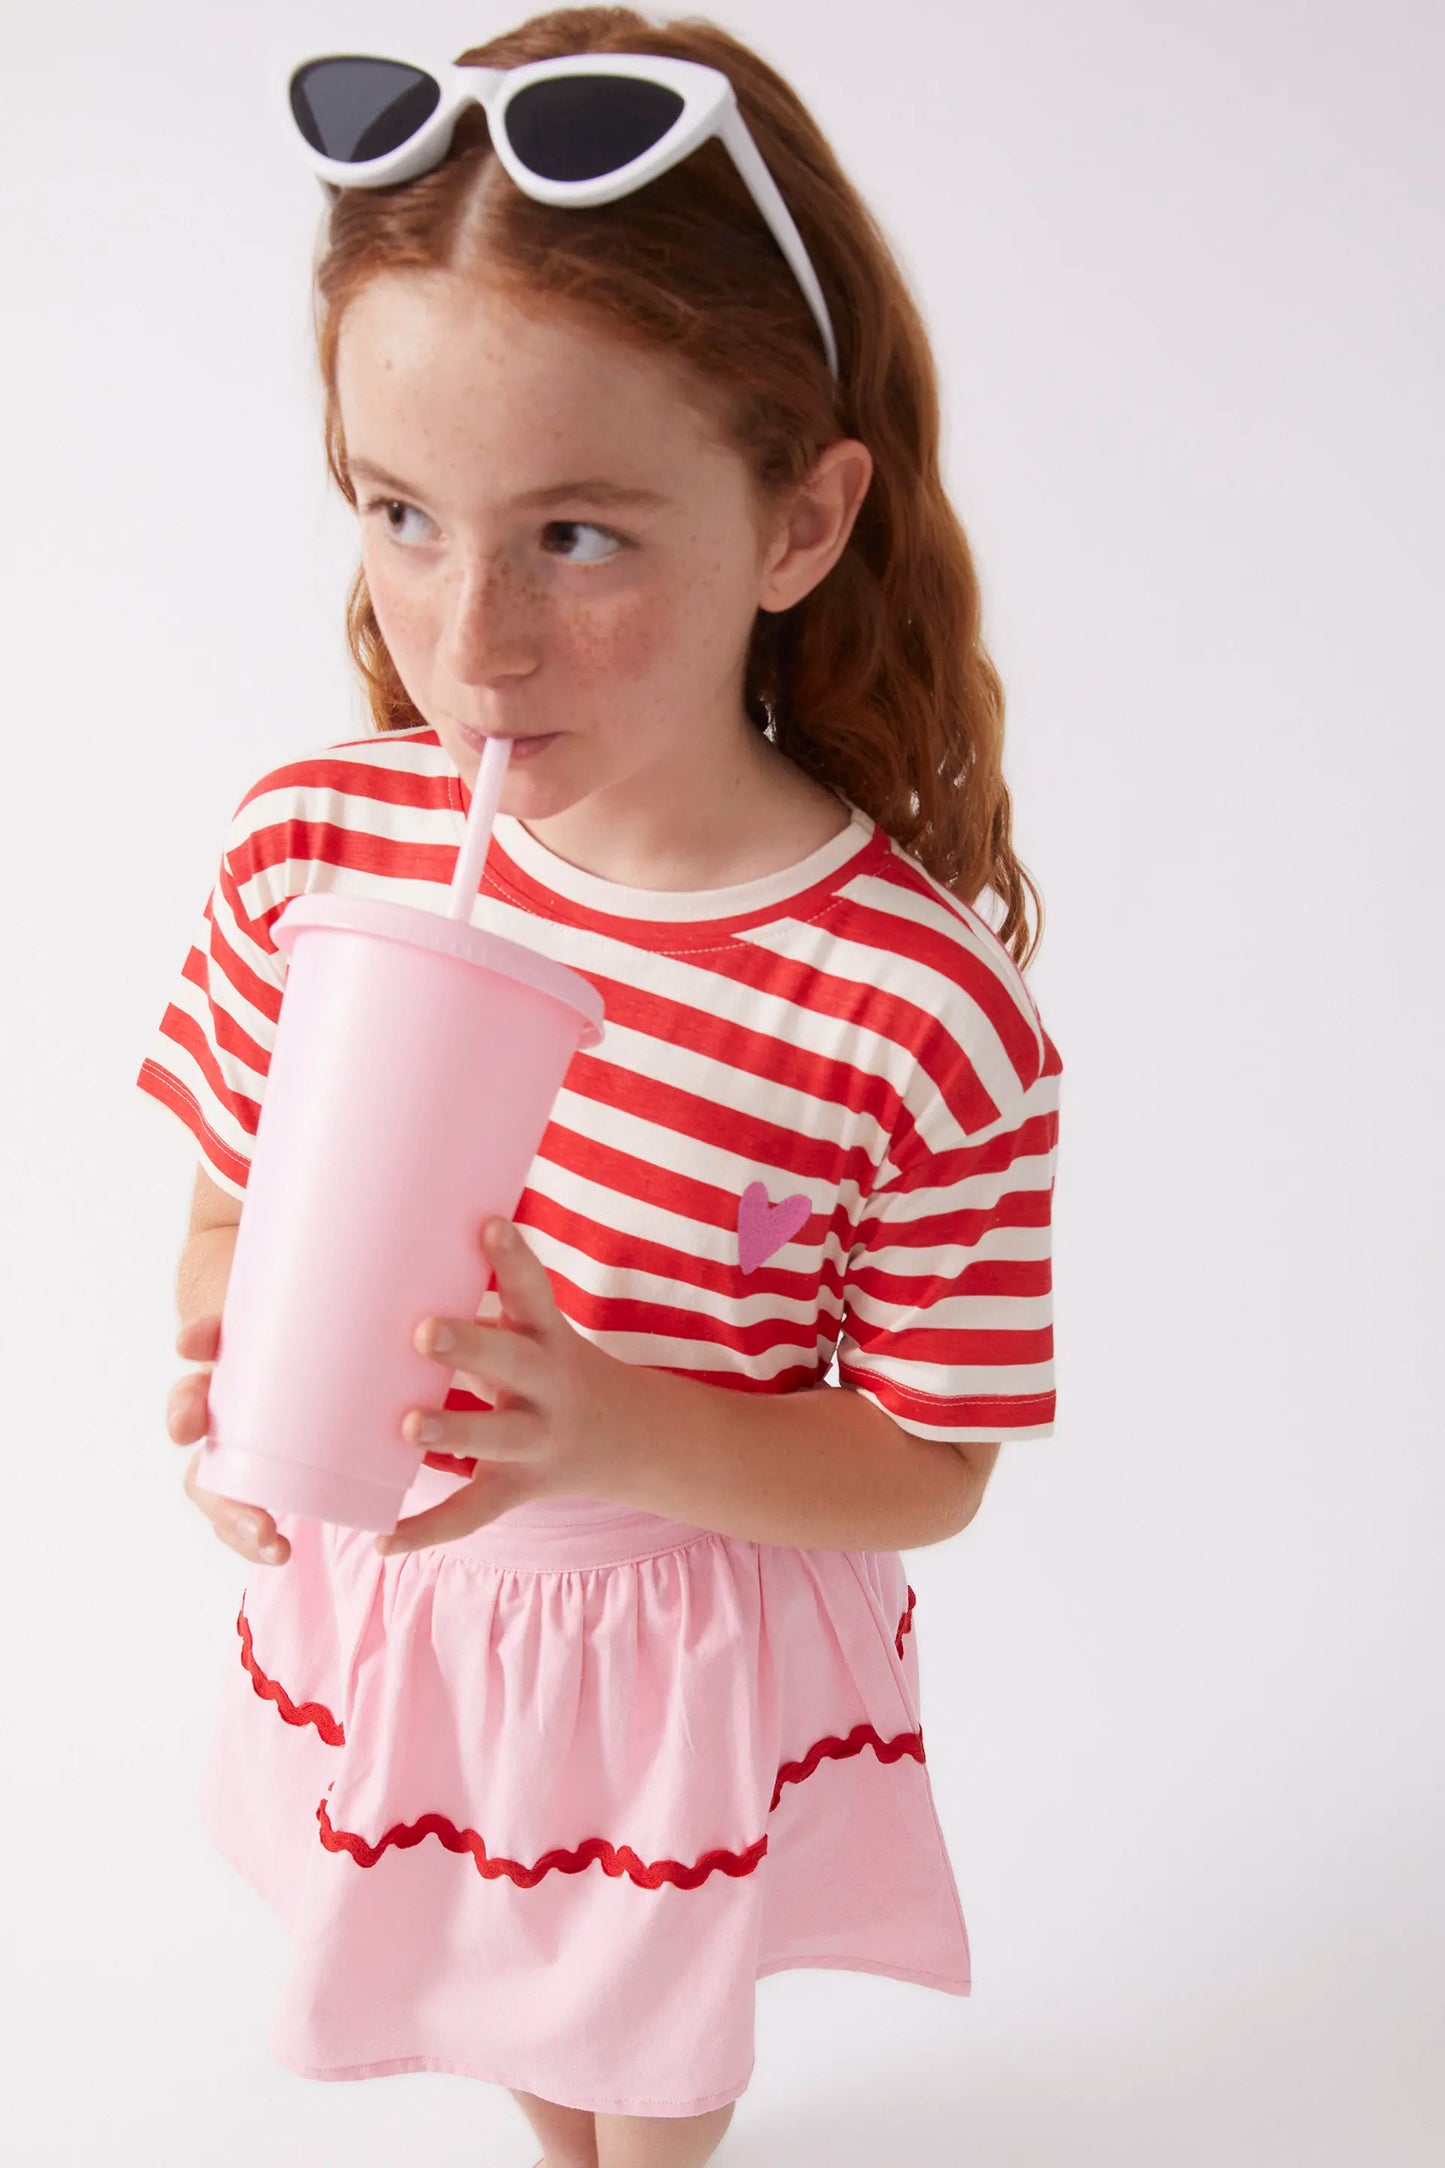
(564, 527)
(586, 526)
(389, 505)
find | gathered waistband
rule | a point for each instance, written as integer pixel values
(553, 1534)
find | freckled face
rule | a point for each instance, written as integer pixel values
(622, 624)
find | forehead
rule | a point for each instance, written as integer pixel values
(435, 370)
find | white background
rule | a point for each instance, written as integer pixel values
(1181, 1676)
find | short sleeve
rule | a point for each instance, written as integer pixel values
(948, 1299)
(210, 1052)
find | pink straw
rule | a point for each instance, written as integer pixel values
(473, 854)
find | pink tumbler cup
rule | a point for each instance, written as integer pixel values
(414, 1071)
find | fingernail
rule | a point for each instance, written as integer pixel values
(271, 1551)
(442, 1339)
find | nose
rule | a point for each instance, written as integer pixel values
(490, 628)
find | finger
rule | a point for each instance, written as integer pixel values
(521, 1280)
(199, 1338)
(472, 1507)
(501, 1435)
(188, 1408)
(255, 1536)
(248, 1530)
(494, 1363)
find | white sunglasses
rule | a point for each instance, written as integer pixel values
(580, 129)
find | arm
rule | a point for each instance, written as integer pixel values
(824, 1468)
(205, 1262)
(203, 1272)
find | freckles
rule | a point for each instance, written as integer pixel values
(617, 642)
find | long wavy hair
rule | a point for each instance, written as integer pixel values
(877, 683)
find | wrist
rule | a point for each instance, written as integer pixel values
(629, 1431)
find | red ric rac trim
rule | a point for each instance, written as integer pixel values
(308, 1712)
(905, 1624)
(613, 1859)
(887, 1750)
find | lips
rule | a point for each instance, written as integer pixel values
(477, 739)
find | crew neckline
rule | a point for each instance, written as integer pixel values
(665, 917)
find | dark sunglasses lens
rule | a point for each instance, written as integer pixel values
(352, 107)
(579, 126)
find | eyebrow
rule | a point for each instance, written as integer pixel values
(597, 490)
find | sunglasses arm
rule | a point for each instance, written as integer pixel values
(748, 159)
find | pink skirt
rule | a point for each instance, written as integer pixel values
(541, 1806)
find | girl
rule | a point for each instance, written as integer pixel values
(626, 1714)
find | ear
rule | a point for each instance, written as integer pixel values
(812, 530)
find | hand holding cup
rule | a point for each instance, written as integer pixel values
(565, 1420)
(248, 1529)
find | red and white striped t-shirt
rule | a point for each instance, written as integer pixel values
(822, 1122)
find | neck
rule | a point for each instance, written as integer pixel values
(639, 835)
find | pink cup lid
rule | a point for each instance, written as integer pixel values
(430, 929)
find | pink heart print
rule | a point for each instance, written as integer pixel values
(763, 1227)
